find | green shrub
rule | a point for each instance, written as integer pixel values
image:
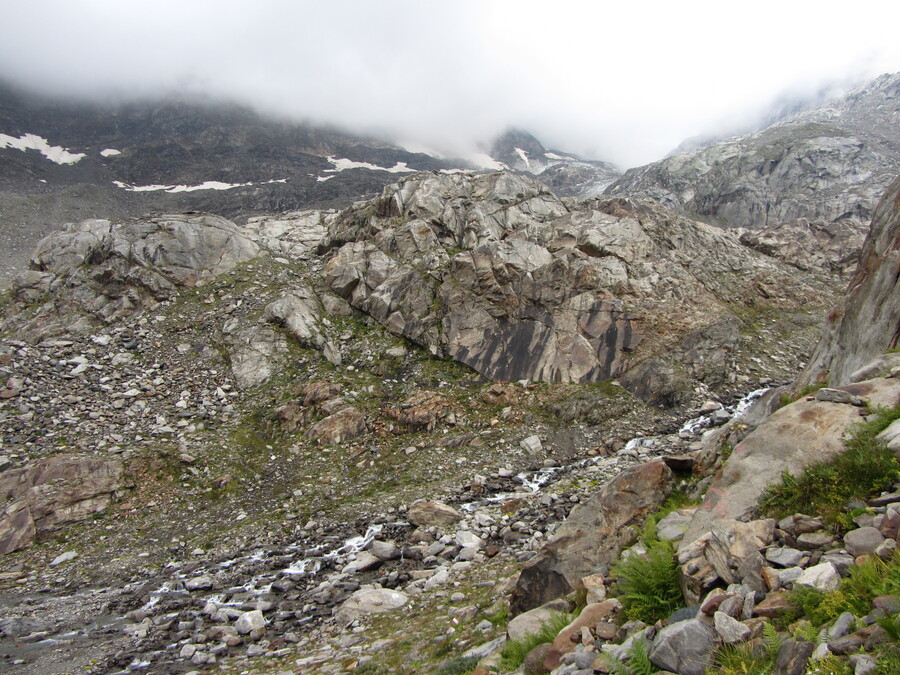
(855, 594)
(865, 468)
(648, 584)
(514, 651)
(743, 659)
(459, 665)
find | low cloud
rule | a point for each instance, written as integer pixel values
(624, 84)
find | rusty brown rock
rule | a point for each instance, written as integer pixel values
(342, 426)
(54, 491)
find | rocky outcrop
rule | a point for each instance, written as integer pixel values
(592, 536)
(495, 272)
(867, 322)
(828, 164)
(48, 493)
(101, 270)
(793, 437)
(806, 245)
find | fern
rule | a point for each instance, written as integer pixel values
(639, 658)
(772, 639)
(648, 584)
(637, 661)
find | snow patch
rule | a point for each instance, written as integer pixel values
(322, 179)
(54, 153)
(208, 185)
(344, 164)
(553, 155)
(521, 153)
(110, 152)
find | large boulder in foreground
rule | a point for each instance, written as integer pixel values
(867, 323)
(593, 535)
(52, 492)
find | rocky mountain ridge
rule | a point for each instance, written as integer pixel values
(63, 161)
(828, 164)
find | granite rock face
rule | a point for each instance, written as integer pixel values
(48, 493)
(867, 323)
(593, 535)
(791, 438)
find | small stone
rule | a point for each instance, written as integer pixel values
(841, 626)
(729, 629)
(384, 550)
(784, 556)
(249, 621)
(684, 647)
(426, 512)
(823, 577)
(792, 657)
(809, 541)
(63, 557)
(202, 583)
(863, 664)
(774, 604)
(837, 396)
(531, 444)
(863, 541)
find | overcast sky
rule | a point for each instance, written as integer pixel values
(624, 81)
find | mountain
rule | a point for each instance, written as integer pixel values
(402, 435)
(566, 174)
(828, 164)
